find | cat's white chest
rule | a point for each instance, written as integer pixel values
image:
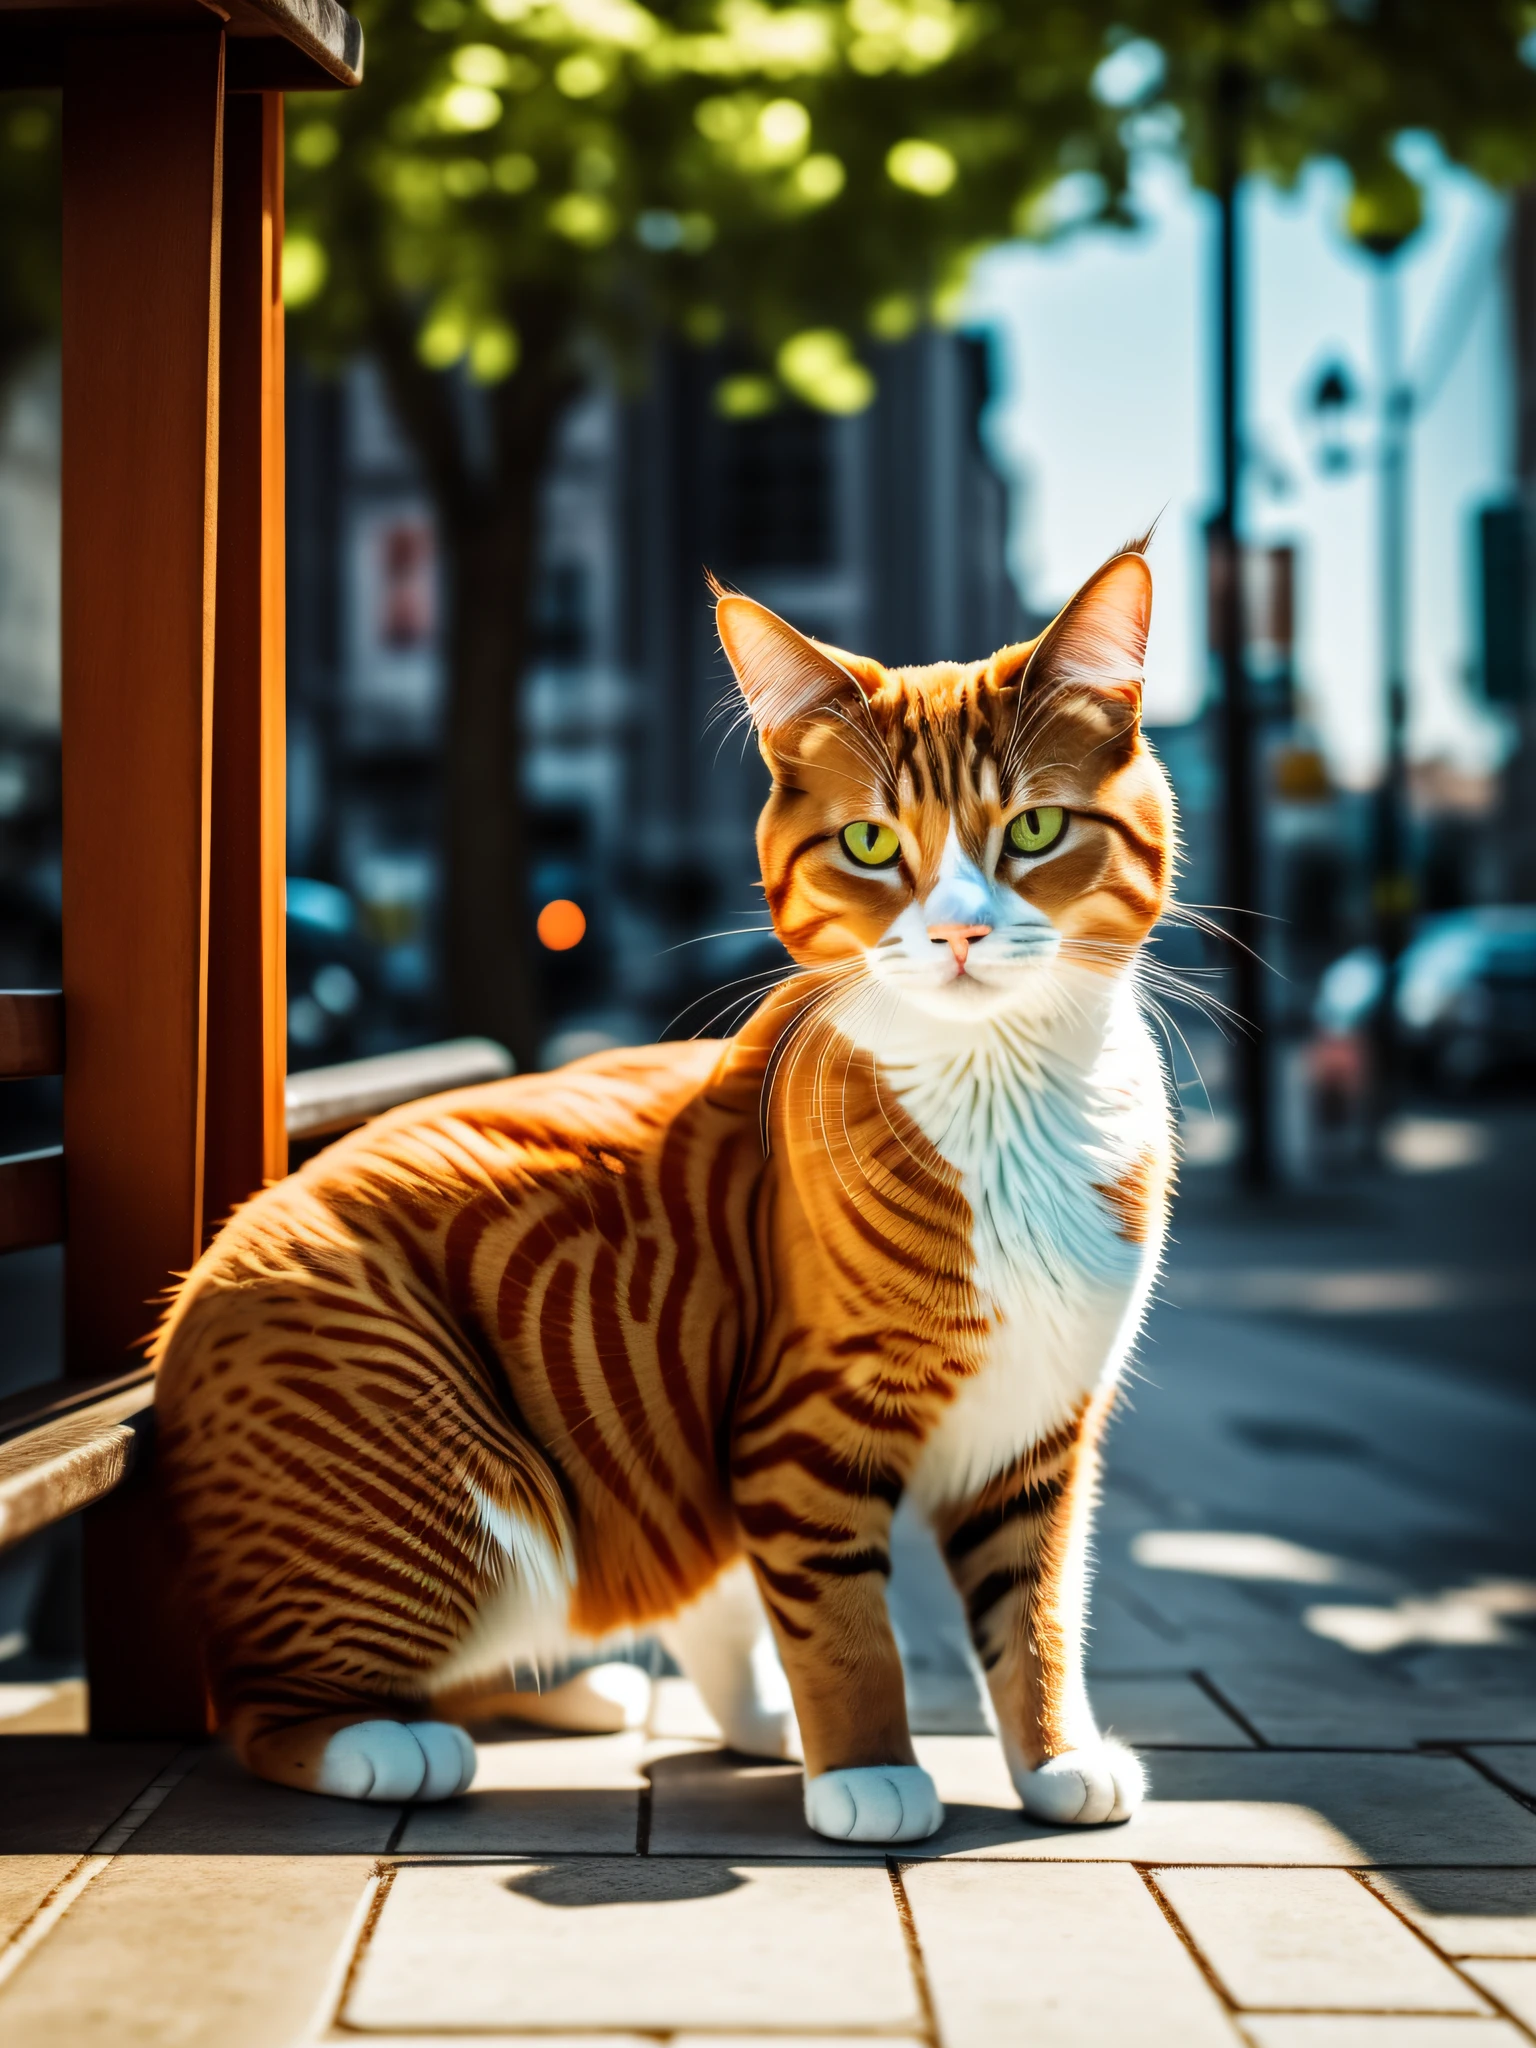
(1037, 1138)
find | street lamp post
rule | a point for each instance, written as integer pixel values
(1240, 822)
(1391, 884)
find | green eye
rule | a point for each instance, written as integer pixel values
(871, 845)
(1036, 831)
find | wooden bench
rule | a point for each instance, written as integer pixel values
(172, 718)
(65, 1446)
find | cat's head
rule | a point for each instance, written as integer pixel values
(963, 831)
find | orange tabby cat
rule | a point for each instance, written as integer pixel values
(537, 1361)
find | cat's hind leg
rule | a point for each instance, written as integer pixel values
(724, 1644)
(356, 1756)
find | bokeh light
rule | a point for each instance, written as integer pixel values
(562, 924)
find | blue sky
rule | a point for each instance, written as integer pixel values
(1106, 343)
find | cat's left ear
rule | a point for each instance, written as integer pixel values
(784, 676)
(1098, 640)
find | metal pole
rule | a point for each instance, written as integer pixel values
(1241, 815)
(1392, 889)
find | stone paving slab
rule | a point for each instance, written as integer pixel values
(46, 1707)
(202, 1952)
(1512, 1984)
(1240, 1807)
(1468, 1912)
(541, 1796)
(636, 1944)
(1514, 1763)
(25, 1883)
(59, 1792)
(1162, 1709)
(1310, 1939)
(607, 2039)
(1058, 1958)
(1396, 2030)
(219, 1809)
(1361, 1706)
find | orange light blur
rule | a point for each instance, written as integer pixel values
(562, 924)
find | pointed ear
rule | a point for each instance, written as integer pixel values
(783, 675)
(1098, 640)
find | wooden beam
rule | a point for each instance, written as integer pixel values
(246, 1132)
(142, 186)
(31, 1033)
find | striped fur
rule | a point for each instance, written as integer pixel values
(541, 1360)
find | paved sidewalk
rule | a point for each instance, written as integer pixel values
(1309, 1618)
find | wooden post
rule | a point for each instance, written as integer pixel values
(247, 1139)
(142, 220)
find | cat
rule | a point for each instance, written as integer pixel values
(660, 1339)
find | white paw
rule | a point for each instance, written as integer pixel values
(874, 1803)
(1084, 1787)
(397, 1760)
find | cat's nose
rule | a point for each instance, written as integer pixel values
(958, 938)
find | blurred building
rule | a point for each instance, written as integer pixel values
(885, 532)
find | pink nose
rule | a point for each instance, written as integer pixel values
(958, 938)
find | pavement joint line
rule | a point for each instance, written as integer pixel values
(359, 1935)
(749, 1858)
(1452, 1963)
(1486, 1771)
(904, 1913)
(1196, 1954)
(99, 1857)
(1218, 1698)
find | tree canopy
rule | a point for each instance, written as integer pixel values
(791, 177)
(798, 175)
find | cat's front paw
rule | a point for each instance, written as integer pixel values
(874, 1803)
(1083, 1787)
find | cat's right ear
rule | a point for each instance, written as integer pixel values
(783, 676)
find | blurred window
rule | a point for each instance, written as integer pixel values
(777, 491)
(563, 612)
(407, 584)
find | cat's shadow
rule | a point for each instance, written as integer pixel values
(639, 1881)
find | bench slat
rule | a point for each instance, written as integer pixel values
(31, 1033)
(323, 1101)
(31, 1199)
(65, 1464)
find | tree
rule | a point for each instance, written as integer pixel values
(522, 182)
(29, 227)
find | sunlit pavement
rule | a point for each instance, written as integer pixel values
(1316, 1615)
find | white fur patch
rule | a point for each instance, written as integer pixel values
(1038, 1107)
(724, 1644)
(526, 1618)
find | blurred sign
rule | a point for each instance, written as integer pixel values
(1269, 617)
(1501, 575)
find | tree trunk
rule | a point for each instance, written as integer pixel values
(484, 454)
(487, 914)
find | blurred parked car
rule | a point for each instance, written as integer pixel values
(1465, 996)
(328, 973)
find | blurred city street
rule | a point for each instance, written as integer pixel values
(1315, 1615)
(384, 443)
